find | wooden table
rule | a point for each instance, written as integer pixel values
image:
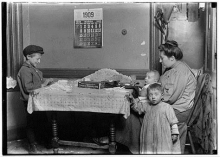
(59, 97)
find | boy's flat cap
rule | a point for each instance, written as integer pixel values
(32, 49)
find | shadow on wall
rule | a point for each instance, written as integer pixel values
(16, 120)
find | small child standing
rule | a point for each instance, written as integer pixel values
(159, 131)
(30, 78)
(152, 76)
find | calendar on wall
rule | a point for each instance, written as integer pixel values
(88, 28)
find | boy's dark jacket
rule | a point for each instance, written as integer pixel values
(29, 78)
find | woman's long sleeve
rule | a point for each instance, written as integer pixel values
(138, 106)
(175, 88)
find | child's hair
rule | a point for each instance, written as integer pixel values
(154, 86)
(156, 74)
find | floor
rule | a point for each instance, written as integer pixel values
(21, 147)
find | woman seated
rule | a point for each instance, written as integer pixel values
(179, 84)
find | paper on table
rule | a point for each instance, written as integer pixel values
(118, 89)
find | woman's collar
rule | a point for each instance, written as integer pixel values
(175, 64)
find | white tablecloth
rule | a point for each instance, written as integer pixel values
(52, 98)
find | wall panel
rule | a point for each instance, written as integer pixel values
(51, 26)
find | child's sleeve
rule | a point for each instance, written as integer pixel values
(174, 129)
(171, 116)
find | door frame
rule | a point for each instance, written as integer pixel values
(155, 41)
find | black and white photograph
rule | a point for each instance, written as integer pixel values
(109, 78)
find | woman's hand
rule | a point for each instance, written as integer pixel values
(129, 98)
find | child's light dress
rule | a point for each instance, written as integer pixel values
(156, 130)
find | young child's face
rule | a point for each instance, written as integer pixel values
(154, 96)
(149, 78)
(34, 59)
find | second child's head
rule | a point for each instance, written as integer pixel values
(155, 93)
(152, 77)
(33, 54)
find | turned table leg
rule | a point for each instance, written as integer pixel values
(55, 138)
(112, 142)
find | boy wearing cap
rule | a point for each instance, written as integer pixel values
(30, 78)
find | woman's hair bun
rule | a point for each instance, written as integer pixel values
(172, 43)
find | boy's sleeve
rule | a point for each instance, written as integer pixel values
(44, 79)
(27, 81)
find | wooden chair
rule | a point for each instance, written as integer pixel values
(202, 83)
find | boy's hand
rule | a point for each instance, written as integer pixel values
(47, 82)
(174, 138)
(50, 81)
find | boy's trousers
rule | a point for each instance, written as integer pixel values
(37, 128)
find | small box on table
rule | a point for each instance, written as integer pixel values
(91, 84)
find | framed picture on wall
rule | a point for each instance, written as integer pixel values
(88, 28)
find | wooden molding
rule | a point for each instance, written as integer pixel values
(156, 40)
(80, 73)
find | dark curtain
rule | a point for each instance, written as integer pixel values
(14, 38)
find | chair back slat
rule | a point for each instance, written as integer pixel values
(201, 82)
